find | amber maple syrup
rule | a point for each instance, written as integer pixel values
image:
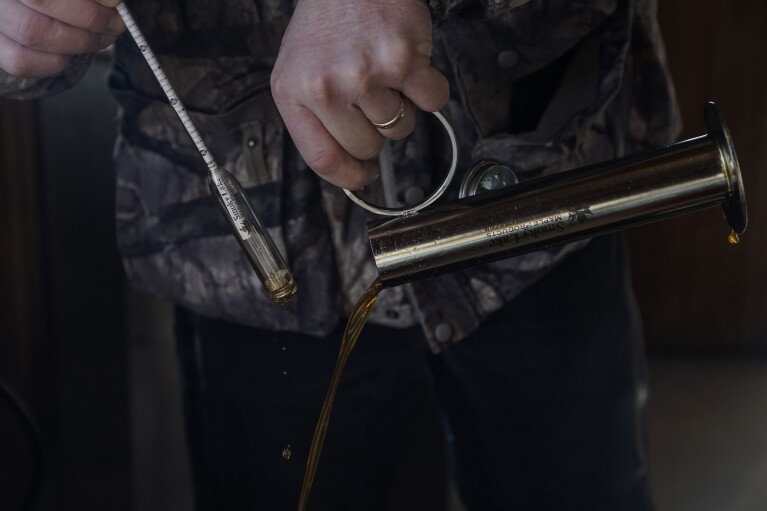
(352, 332)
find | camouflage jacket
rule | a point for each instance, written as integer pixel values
(546, 85)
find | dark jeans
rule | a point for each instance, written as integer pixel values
(542, 406)
(249, 395)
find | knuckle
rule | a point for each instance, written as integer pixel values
(91, 17)
(35, 4)
(358, 181)
(356, 74)
(33, 30)
(58, 65)
(324, 162)
(397, 60)
(303, 88)
(404, 132)
(83, 41)
(371, 150)
(280, 88)
(425, 48)
(441, 96)
(319, 89)
(15, 63)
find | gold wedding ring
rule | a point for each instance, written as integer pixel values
(397, 118)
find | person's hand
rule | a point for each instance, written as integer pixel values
(38, 37)
(345, 64)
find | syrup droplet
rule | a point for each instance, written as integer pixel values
(733, 238)
(287, 453)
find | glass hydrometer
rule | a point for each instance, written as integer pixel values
(264, 257)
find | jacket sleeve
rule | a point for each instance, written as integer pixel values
(442, 9)
(32, 88)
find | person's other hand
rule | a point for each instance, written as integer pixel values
(38, 37)
(345, 64)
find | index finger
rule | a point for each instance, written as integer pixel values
(94, 16)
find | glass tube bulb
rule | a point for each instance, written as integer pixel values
(262, 253)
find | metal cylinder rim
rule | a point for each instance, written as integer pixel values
(735, 209)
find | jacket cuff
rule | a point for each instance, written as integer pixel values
(442, 9)
(32, 88)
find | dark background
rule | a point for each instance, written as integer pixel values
(93, 360)
(695, 290)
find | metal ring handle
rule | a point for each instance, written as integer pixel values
(433, 197)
